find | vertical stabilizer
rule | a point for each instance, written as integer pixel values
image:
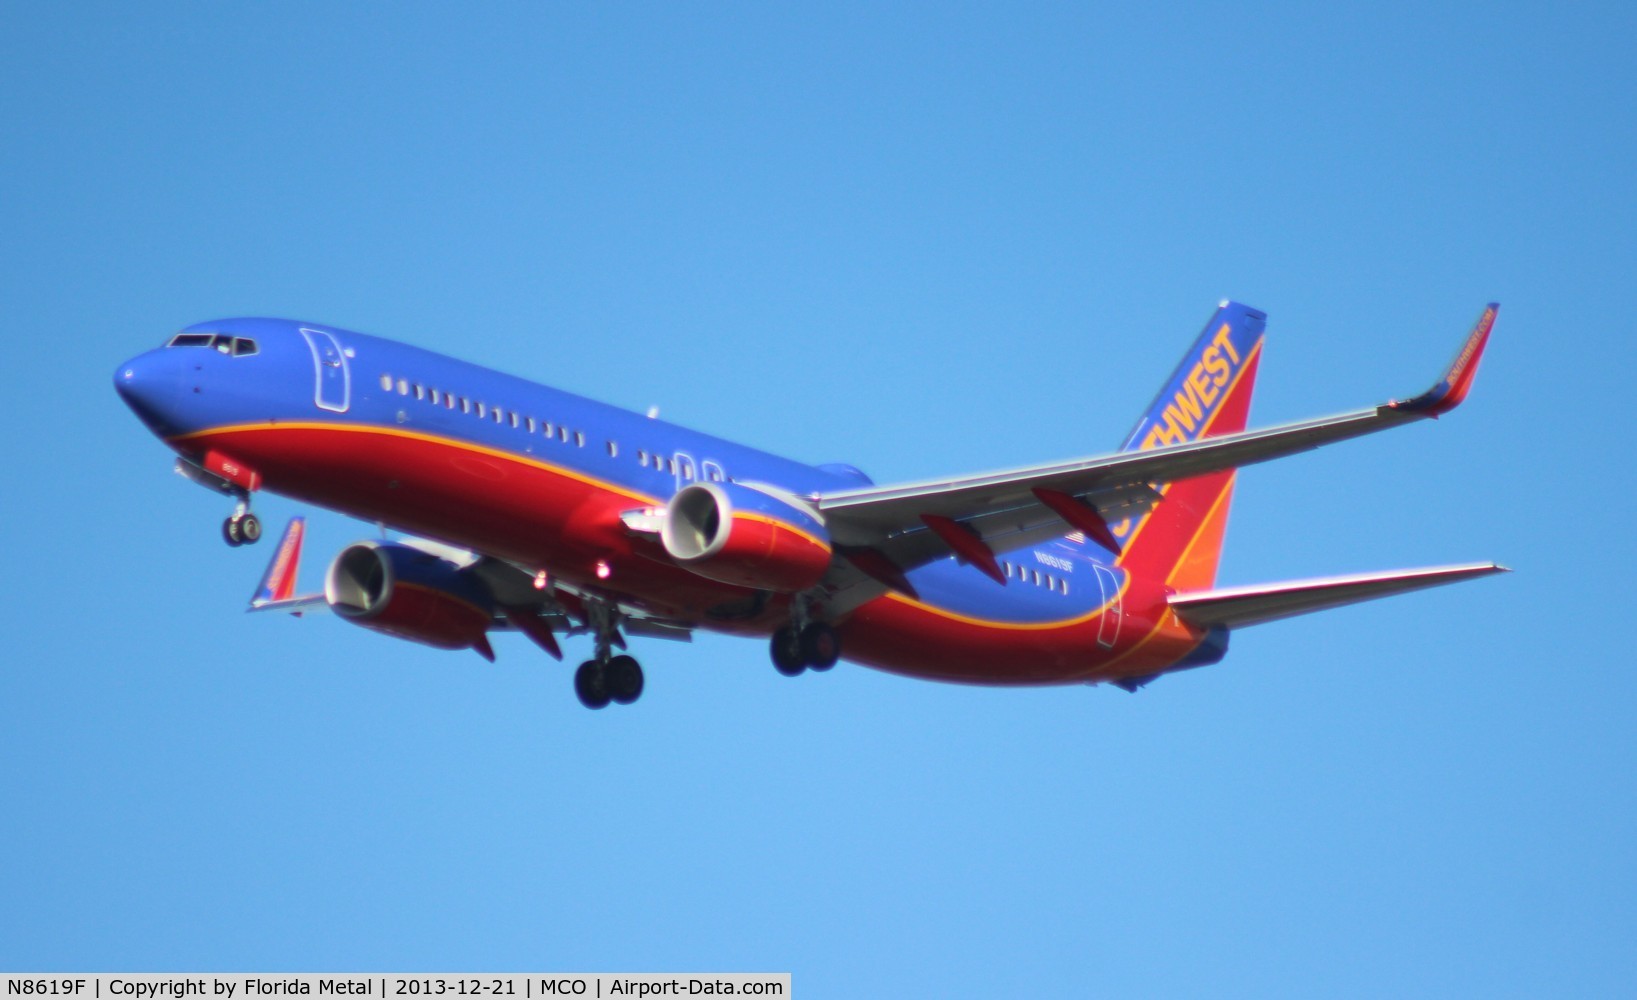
(1179, 541)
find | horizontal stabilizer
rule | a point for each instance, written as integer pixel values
(1237, 607)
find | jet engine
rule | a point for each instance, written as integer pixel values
(414, 595)
(737, 534)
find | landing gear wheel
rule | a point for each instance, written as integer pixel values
(623, 679)
(591, 684)
(787, 652)
(820, 646)
(232, 532)
(250, 529)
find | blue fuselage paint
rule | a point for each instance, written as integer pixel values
(322, 378)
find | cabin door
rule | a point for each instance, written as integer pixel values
(334, 381)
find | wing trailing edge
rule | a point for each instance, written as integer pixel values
(1238, 607)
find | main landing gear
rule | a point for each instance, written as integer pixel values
(618, 680)
(243, 527)
(606, 677)
(813, 645)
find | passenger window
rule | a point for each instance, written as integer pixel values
(579, 439)
(515, 421)
(499, 414)
(613, 450)
(531, 425)
(465, 405)
(386, 382)
(562, 434)
(434, 395)
(403, 387)
(1036, 577)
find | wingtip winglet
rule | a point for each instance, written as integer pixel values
(1452, 389)
(278, 583)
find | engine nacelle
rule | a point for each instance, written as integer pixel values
(740, 535)
(410, 594)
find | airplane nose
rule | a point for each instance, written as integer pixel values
(134, 381)
(149, 388)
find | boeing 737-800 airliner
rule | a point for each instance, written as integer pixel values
(530, 509)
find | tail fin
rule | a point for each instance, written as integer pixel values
(1179, 541)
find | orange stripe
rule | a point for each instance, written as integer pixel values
(565, 472)
(1013, 626)
(1167, 614)
(1204, 433)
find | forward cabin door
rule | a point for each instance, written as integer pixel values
(334, 387)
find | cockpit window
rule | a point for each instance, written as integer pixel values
(236, 346)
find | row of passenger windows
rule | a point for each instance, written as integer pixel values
(483, 411)
(1036, 577)
(503, 417)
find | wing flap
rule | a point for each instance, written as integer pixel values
(1238, 607)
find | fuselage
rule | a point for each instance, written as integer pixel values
(440, 448)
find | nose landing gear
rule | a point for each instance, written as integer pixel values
(242, 527)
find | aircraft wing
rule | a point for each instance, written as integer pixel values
(1237, 607)
(909, 524)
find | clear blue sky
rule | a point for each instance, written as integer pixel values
(923, 239)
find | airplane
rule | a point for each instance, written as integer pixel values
(529, 509)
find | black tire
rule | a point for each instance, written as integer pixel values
(230, 532)
(591, 684)
(786, 649)
(624, 679)
(250, 529)
(820, 646)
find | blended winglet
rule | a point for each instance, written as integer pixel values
(1457, 381)
(279, 582)
(277, 590)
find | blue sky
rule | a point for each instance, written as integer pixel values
(922, 239)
